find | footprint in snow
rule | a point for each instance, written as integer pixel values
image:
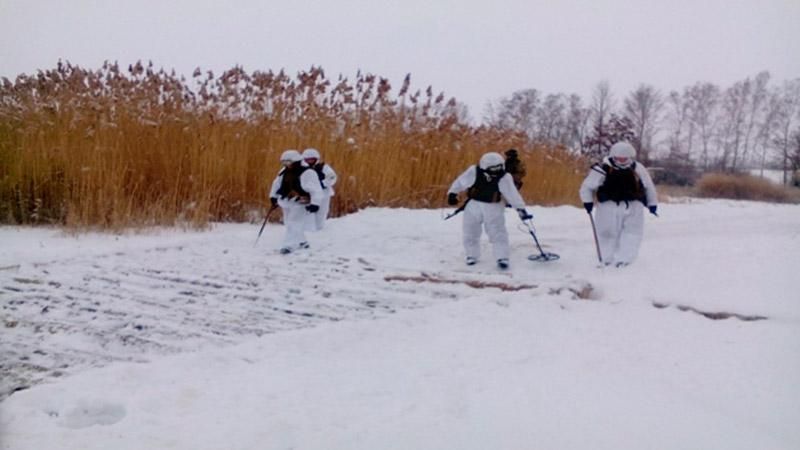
(88, 413)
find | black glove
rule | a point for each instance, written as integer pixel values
(523, 214)
(452, 199)
(312, 208)
(273, 201)
(588, 207)
(653, 209)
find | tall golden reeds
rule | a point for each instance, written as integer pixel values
(113, 148)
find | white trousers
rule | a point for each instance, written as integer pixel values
(490, 216)
(319, 217)
(619, 230)
(295, 218)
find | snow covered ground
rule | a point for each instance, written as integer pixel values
(378, 337)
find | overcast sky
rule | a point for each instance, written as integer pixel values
(474, 50)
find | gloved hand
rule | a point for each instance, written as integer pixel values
(273, 201)
(312, 208)
(452, 199)
(588, 207)
(523, 214)
(653, 209)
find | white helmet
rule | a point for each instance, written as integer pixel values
(622, 150)
(290, 156)
(492, 162)
(310, 153)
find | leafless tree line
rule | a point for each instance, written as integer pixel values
(750, 125)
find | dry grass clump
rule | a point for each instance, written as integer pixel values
(744, 187)
(114, 148)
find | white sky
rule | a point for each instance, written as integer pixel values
(475, 50)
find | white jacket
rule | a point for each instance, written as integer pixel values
(505, 185)
(309, 181)
(330, 179)
(597, 176)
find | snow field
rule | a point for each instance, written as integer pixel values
(442, 365)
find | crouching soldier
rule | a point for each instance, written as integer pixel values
(488, 188)
(515, 166)
(623, 188)
(298, 192)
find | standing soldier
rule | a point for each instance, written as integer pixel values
(327, 178)
(515, 167)
(297, 191)
(488, 188)
(623, 187)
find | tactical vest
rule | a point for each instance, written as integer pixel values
(485, 188)
(320, 174)
(621, 185)
(291, 188)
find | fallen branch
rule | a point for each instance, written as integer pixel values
(426, 278)
(711, 314)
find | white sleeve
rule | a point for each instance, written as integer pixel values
(649, 186)
(330, 175)
(463, 182)
(276, 184)
(591, 183)
(309, 181)
(510, 192)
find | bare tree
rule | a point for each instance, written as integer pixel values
(755, 102)
(577, 123)
(643, 107)
(703, 99)
(795, 156)
(786, 119)
(616, 129)
(602, 105)
(516, 112)
(678, 108)
(734, 105)
(551, 120)
(771, 111)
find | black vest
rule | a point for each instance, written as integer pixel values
(290, 184)
(485, 188)
(318, 168)
(621, 185)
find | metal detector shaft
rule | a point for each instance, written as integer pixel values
(266, 218)
(596, 243)
(543, 256)
(535, 239)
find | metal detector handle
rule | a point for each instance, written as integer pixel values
(596, 242)
(460, 208)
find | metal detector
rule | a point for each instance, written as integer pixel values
(542, 256)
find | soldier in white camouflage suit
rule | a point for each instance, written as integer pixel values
(623, 188)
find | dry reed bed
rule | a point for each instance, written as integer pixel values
(113, 148)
